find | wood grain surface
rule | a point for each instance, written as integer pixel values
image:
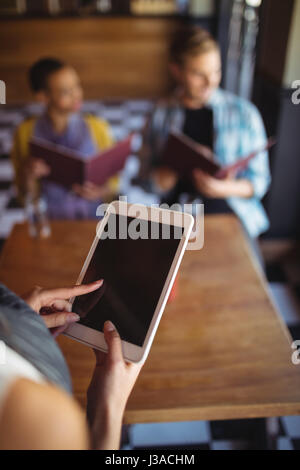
(114, 57)
(221, 350)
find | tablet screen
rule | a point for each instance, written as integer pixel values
(134, 273)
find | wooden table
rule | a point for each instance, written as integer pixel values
(221, 350)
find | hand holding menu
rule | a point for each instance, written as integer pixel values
(183, 155)
(68, 167)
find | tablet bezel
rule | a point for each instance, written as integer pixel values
(95, 338)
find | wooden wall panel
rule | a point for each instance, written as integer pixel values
(115, 57)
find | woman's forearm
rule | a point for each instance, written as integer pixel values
(106, 430)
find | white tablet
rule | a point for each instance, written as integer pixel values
(137, 252)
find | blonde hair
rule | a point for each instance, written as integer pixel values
(191, 41)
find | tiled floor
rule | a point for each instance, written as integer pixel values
(283, 275)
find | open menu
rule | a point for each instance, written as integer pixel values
(68, 167)
(183, 154)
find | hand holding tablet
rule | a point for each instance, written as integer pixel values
(137, 252)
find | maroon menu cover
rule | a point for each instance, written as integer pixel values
(68, 167)
(183, 155)
(242, 162)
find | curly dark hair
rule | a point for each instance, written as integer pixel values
(41, 70)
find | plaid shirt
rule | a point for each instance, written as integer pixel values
(238, 130)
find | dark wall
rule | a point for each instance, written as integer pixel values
(283, 203)
(281, 118)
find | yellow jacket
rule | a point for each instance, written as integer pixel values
(99, 130)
